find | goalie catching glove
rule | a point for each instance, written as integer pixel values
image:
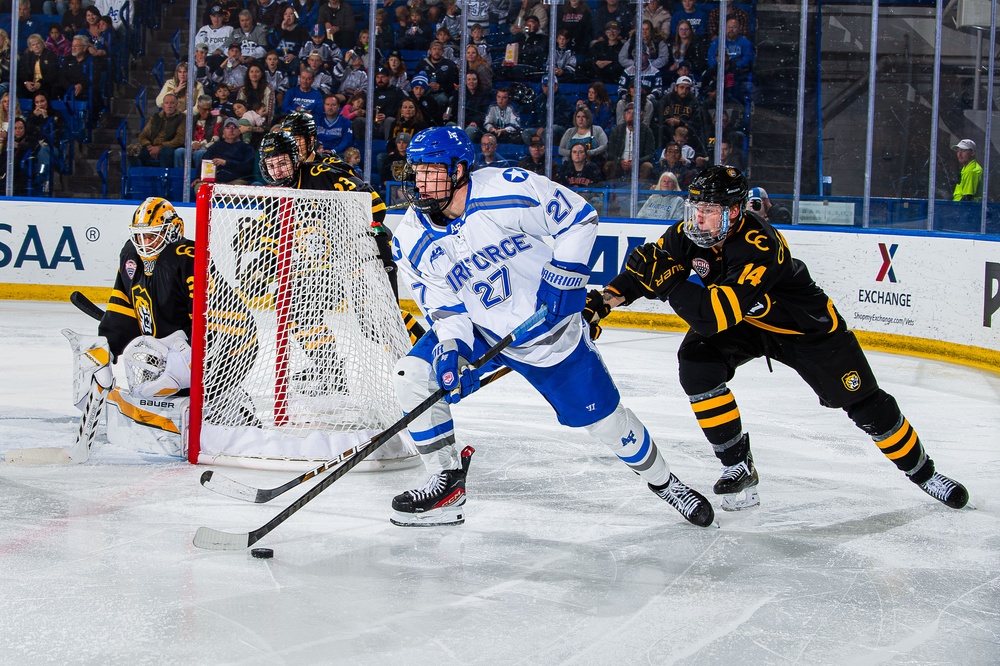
(656, 270)
(453, 371)
(158, 368)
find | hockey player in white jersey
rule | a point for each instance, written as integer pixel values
(471, 250)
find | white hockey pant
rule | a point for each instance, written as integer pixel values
(627, 437)
(433, 432)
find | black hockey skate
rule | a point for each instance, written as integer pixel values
(440, 501)
(738, 485)
(689, 502)
(945, 490)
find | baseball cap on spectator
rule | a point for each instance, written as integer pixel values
(683, 63)
(201, 47)
(536, 141)
(384, 70)
(684, 81)
(533, 18)
(216, 9)
(403, 136)
(758, 193)
(545, 80)
(231, 121)
(395, 54)
(965, 144)
(419, 80)
(630, 105)
(612, 24)
(317, 31)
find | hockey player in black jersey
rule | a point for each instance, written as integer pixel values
(757, 300)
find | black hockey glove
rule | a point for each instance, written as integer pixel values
(594, 311)
(656, 270)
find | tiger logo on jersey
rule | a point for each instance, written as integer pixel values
(852, 380)
(143, 306)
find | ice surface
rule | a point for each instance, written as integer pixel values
(565, 556)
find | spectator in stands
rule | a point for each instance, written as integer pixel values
(578, 171)
(451, 20)
(54, 7)
(352, 80)
(163, 134)
(401, 19)
(223, 104)
(76, 70)
(177, 86)
(216, 36)
(696, 17)
(733, 12)
(427, 105)
(618, 166)
(477, 37)
(655, 54)
(759, 202)
(385, 36)
(339, 23)
(288, 38)
(24, 144)
(531, 8)
(230, 11)
(477, 102)
(322, 81)
(535, 160)
(562, 112)
(37, 69)
(202, 72)
(4, 61)
(683, 69)
(688, 47)
(40, 115)
(475, 62)
(114, 10)
(397, 67)
(488, 156)
(234, 159)
(352, 156)
(602, 62)
(409, 119)
(442, 74)
(318, 42)
(333, 131)
(395, 155)
(257, 95)
(233, 72)
(26, 25)
(613, 10)
(599, 103)
(303, 97)
(450, 45)
(532, 52)
(57, 42)
(564, 58)
(670, 160)
(575, 17)
(268, 13)
(251, 37)
(354, 110)
(206, 131)
(659, 16)
(970, 184)
(385, 104)
(626, 95)
(503, 120)
(689, 154)
(73, 19)
(738, 60)
(108, 36)
(92, 17)
(4, 106)
(666, 206)
(682, 109)
(276, 78)
(252, 125)
(585, 133)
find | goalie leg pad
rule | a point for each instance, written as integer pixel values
(91, 360)
(155, 426)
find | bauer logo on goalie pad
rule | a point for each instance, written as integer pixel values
(852, 380)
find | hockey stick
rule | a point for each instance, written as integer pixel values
(223, 485)
(86, 305)
(80, 451)
(212, 539)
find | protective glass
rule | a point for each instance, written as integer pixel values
(706, 224)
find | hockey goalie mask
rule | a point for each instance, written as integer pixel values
(712, 197)
(430, 177)
(155, 225)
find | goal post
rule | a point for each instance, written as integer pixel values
(295, 330)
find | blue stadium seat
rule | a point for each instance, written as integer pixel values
(142, 182)
(102, 171)
(512, 152)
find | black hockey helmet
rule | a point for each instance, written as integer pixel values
(300, 123)
(273, 145)
(711, 197)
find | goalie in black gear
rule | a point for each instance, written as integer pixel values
(757, 300)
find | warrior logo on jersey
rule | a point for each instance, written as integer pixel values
(700, 266)
(143, 306)
(130, 269)
(515, 175)
(852, 380)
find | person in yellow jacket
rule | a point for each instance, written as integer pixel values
(970, 184)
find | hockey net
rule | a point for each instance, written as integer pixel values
(295, 332)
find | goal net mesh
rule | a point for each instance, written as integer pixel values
(296, 327)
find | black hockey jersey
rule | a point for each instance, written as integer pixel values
(752, 277)
(332, 173)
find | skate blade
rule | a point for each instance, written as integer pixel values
(747, 499)
(436, 518)
(42, 456)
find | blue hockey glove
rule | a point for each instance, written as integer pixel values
(563, 290)
(453, 372)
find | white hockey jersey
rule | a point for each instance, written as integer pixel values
(484, 268)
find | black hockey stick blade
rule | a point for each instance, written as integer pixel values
(223, 485)
(212, 539)
(86, 306)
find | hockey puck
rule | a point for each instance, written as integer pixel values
(262, 553)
